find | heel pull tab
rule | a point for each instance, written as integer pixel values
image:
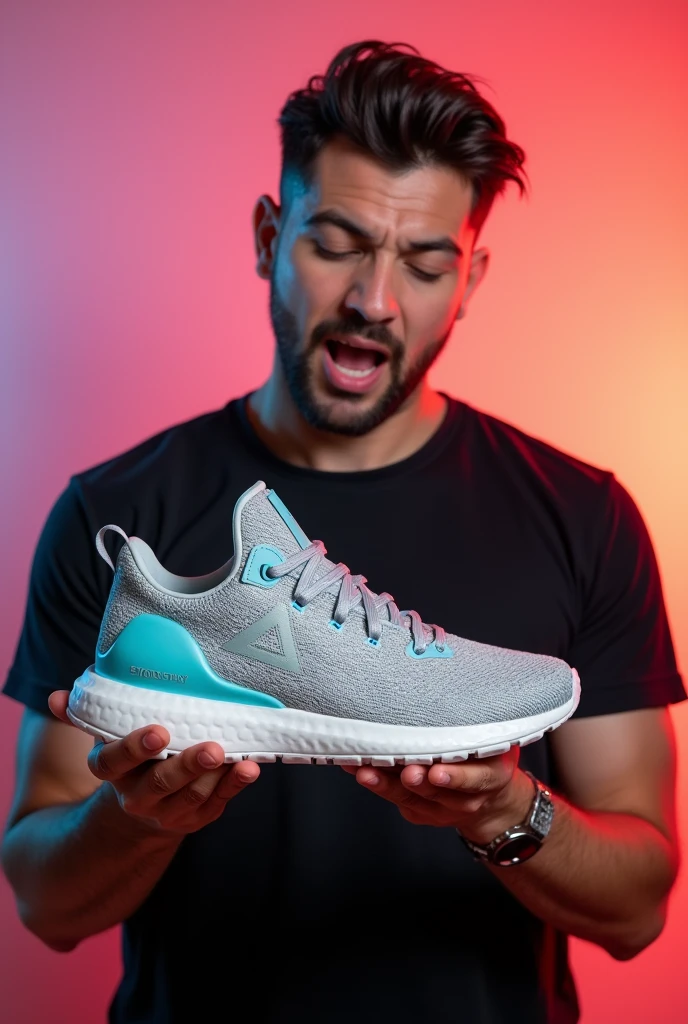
(100, 544)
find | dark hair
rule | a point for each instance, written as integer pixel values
(408, 112)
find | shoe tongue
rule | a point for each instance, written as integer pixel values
(265, 519)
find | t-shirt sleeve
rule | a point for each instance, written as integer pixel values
(623, 649)
(68, 591)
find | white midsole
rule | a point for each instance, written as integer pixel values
(112, 709)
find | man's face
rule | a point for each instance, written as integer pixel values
(367, 272)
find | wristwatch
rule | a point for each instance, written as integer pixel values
(523, 841)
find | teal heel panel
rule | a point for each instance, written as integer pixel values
(158, 654)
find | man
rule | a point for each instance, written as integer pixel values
(318, 894)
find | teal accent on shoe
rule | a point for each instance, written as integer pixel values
(259, 557)
(431, 651)
(298, 607)
(158, 654)
(296, 531)
(373, 643)
(335, 625)
(247, 642)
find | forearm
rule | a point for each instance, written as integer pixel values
(77, 869)
(599, 876)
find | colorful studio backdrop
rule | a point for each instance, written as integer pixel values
(135, 138)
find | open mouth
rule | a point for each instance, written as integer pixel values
(353, 361)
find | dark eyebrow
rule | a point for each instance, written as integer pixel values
(444, 244)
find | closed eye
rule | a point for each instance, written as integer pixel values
(424, 276)
(328, 254)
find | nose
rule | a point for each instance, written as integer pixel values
(372, 291)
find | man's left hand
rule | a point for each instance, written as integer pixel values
(482, 797)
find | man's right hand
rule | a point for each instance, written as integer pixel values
(174, 796)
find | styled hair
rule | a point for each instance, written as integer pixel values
(408, 112)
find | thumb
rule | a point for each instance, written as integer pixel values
(57, 702)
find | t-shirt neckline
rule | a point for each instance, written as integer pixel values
(427, 453)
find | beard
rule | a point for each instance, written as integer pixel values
(297, 367)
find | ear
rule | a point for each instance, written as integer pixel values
(266, 222)
(480, 259)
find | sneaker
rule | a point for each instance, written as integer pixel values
(282, 653)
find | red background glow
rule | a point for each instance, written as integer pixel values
(135, 138)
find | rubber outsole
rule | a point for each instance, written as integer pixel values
(94, 712)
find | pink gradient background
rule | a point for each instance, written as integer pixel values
(135, 138)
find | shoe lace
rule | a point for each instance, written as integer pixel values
(352, 593)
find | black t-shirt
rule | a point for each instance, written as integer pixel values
(311, 900)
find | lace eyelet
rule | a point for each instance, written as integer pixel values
(264, 573)
(335, 625)
(373, 642)
(440, 649)
(298, 607)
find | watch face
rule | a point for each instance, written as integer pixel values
(516, 849)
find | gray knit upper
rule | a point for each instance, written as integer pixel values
(341, 674)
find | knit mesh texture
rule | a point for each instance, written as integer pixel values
(340, 674)
(270, 641)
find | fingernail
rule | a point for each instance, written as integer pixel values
(371, 780)
(442, 779)
(152, 741)
(242, 777)
(415, 780)
(206, 759)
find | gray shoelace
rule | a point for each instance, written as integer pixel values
(352, 592)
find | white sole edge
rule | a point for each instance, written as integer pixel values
(110, 710)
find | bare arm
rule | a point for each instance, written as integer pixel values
(611, 858)
(93, 828)
(605, 871)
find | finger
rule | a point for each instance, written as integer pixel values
(388, 786)
(216, 788)
(164, 778)
(237, 778)
(110, 761)
(57, 702)
(199, 791)
(443, 783)
(482, 776)
(416, 779)
(388, 769)
(435, 785)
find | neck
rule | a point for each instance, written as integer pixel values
(281, 427)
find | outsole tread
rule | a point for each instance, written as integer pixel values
(356, 760)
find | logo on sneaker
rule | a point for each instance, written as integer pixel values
(151, 673)
(269, 640)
